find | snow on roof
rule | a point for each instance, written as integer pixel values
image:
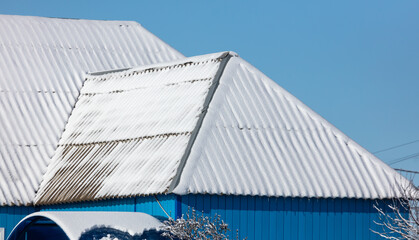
(258, 139)
(129, 131)
(42, 64)
(74, 224)
(209, 124)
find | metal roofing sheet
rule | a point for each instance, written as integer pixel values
(205, 125)
(258, 139)
(41, 72)
(129, 131)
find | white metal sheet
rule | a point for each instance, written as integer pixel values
(258, 139)
(127, 136)
(42, 64)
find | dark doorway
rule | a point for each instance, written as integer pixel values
(38, 228)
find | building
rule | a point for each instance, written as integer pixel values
(42, 64)
(213, 133)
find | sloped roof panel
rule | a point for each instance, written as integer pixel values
(42, 64)
(205, 125)
(129, 131)
(258, 139)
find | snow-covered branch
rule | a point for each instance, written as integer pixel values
(402, 221)
(196, 226)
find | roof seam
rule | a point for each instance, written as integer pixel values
(138, 88)
(128, 139)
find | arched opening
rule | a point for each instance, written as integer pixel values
(86, 225)
(36, 228)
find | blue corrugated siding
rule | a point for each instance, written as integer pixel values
(147, 205)
(10, 216)
(150, 206)
(114, 205)
(255, 217)
(290, 218)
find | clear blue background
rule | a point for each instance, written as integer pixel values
(354, 62)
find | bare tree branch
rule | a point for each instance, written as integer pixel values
(194, 226)
(402, 222)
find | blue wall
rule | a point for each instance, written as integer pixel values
(147, 205)
(10, 216)
(291, 218)
(254, 217)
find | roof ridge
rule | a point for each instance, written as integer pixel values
(163, 135)
(225, 57)
(195, 60)
(68, 18)
(145, 87)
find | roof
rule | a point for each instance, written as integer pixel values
(42, 64)
(136, 124)
(74, 224)
(208, 124)
(258, 139)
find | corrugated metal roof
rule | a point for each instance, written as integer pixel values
(258, 139)
(129, 131)
(205, 125)
(41, 67)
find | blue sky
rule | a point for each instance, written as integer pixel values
(354, 62)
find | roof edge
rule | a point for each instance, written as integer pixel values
(70, 18)
(151, 67)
